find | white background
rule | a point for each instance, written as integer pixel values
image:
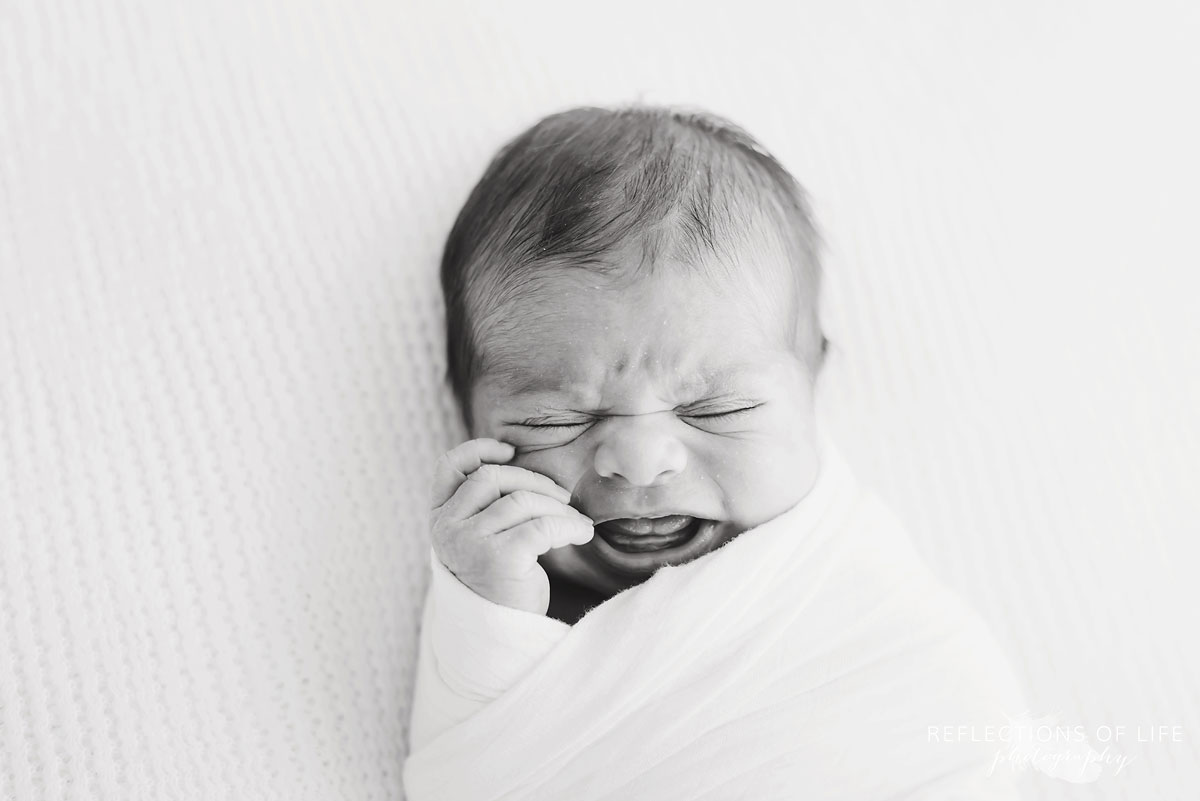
(220, 347)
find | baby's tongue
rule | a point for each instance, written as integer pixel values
(648, 525)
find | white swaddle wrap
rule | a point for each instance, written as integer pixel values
(809, 658)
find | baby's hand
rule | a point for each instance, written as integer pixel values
(491, 521)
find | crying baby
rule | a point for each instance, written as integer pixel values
(646, 520)
(633, 339)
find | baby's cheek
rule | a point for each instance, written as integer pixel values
(559, 463)
(751, 475)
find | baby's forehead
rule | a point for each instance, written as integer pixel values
(586, 298)
(689, 335)
(742, 270)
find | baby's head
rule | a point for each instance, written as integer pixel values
(632, 302)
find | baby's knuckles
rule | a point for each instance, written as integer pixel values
(523, 500)
(487, 474)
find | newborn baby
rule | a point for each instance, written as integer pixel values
(633, 332)
(646, 551)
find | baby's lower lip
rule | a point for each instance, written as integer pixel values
(617, 533)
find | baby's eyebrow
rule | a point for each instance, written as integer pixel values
(712, 382)
(520, 383)
(523, 383)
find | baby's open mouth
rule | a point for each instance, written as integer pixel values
(646, 534)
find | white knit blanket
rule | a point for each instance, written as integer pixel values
(222, 342)
(812, 657)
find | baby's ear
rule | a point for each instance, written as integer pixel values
(811, 348)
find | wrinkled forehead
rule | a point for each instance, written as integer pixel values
(689, 331)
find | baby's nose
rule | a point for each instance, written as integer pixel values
(641, 455)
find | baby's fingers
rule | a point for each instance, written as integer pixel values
(538, 536)
(490, 482)
(521, 507)
(454, 465)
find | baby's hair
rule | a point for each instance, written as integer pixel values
(581, 186)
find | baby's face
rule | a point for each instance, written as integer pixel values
(673, 397)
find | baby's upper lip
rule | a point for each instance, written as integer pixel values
(633, 514)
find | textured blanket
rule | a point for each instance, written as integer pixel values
(812, 657)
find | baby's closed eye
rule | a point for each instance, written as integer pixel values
(564, 429)
(726, 413)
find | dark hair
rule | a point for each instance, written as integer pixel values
(579, 185)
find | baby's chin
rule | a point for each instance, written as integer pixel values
(616, 559)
